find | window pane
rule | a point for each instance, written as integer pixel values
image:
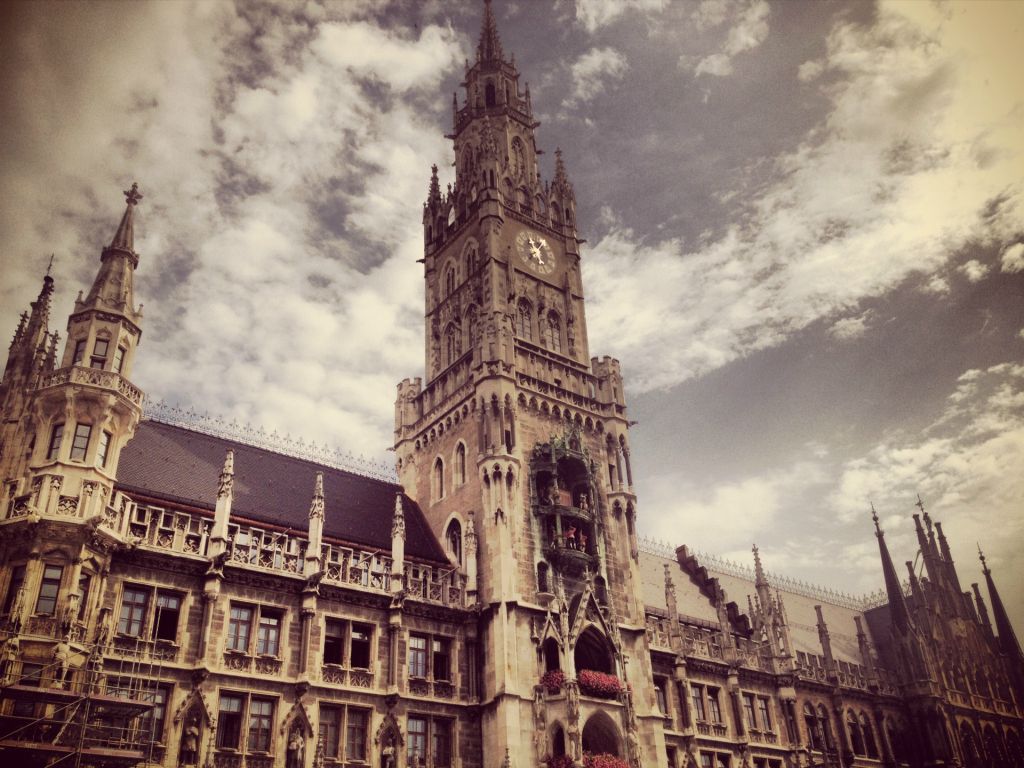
(229, 721)
(239, 628)
(81, 441)
(333, 638)
(441, 745)
(49, 588)
(260, 714)
(417, 656)
(79, 352)
(268, 635)
(133, 611)
(55, 437)
(103, 449)
(119, 359)
(360, 657)
(417, 737)
(168, 609)
(330, 719)
(17, 579)
(440, 659)
(355, 738)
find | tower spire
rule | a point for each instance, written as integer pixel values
(124, 237)
(897, 603)
(1007, 638)
(489, 48)
(112, 290)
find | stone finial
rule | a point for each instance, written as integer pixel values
(225, 482)
(316, 506)
(398, 519)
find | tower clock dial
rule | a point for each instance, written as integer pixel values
(535, 252)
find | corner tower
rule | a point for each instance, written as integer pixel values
(516, 446)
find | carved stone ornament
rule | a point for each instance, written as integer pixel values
(398, 520)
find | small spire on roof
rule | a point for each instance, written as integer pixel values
(316, 506)
(226, 480)
(489, 48)
(398, 519)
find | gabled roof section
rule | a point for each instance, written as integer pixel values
(182, 465)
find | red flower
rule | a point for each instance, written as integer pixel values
(553, 680)
(599, 684)
(562, 761)
(604, 761)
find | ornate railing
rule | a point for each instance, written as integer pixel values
(93, 377)
(363, 568)
(433, 585)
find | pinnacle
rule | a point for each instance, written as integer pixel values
(124, 238)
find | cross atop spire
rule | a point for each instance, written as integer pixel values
(124, 238)
(489, 48)
(49, 266)
(984, 565)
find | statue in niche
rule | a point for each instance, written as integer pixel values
(387, 754)
(296, 749)
(190, 742)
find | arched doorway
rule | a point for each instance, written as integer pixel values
(601, 736)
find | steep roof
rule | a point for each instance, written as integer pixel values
(690, 602)
(181, 465)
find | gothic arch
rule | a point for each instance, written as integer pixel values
(601, 735)
(453, 541)
(437, 479)
(969, 746)
(459, 463)
(524, 320)
(594, 651)
(553, 332)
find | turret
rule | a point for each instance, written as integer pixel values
(897, 603)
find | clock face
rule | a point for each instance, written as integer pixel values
(535, 252)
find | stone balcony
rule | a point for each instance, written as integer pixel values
(93, 378)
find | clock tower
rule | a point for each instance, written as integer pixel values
(517, 449)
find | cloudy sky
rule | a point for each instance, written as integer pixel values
(805, 228)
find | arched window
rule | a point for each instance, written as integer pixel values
(489, 95)
(438, 478)
(554, 332)
(452, 344)
(449, 281)
(460, 464)
(856, 741)
(826, 728)
(600, 736)
(593, 652)
(543, 581)
(518, 158)
(811, 723)
(523, 198)
(524, 321)
(870, 747)
(453, 538)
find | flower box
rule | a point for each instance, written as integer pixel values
(604, 761)
(600, 684)
(553, 680)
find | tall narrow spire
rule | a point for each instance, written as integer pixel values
(112, 290)
(897, 603)
(489, 48)
(1007, 638)
(124, 238)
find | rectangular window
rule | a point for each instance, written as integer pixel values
(81, 442)
(355, 734)
(119, 359)
(229, 722)
(32, 676)
(334, 638)
(659, 692)
(168, 611)
(330, 729)
(103, 448)
(239, 628)
(697, 695)
(360, 650)
(56, 435)
(268, 634)
(748, 710)
(261, 713)
(417, 657)
(151, 723)
(723, 760)
(417, 732)
(99, 353)
(764, 712)
(714, 706)
(707, 760)
(49, 588)
(79, 352)
(15, 584)
(133, 611)
(441, 743)
(442, 668)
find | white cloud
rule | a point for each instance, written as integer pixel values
(810, 70)
(591, 73)
(1012, 259)
(596, 14)
(749, 31)
(887, 186)
(848, 328)
(973, 270)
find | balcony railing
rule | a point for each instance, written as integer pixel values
(93, 377)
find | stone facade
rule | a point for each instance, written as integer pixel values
(175, 594)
